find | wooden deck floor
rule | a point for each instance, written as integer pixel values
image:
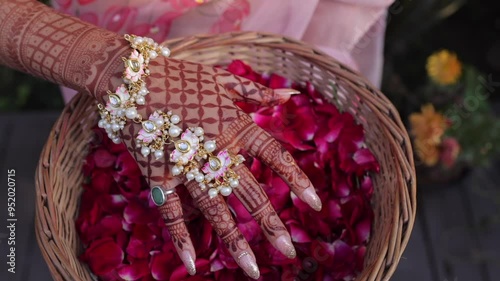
(456, 235)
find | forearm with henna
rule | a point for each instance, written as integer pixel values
(59, 48)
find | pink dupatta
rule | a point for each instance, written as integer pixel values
(352, 31)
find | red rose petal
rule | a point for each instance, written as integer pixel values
(237, 67)
(103, 256)
(216, 265)
(278, 82)
(363, 230)
(104, 159)
(180, 272)
(161, 268)
(102, 180)
(137, 249)
(137, 212)
(134, 271)
(298, 234)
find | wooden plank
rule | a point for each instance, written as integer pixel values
(28, 133)
(415, 264)
(482, 191)
(449, 235)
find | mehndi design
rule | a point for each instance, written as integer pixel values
(67, 51)
(193, 155)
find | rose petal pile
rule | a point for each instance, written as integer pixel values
(125, 238)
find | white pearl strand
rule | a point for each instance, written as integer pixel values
(113, 123)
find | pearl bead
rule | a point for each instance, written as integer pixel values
(189, 176)
(143, 91)
(101, 123)
(234, 182)
(159, 122)
(138, 40)
(226, 190)
(117, 140)
(153, 54)
(145, 151)
(165, 51)
(158, 154)
(175, 119)
(174, 131)
(208, 177)
(140, 100)
(199, 177)
(212, 192)
(176, 171)
(115, 127)
(210, 146)
(131, 113)
(107, 126)
(198, 131)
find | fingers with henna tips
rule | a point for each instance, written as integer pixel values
(271, 153)
(255, 200)
(217, 213)
(242, 89)
(246, 134)
(172, 215)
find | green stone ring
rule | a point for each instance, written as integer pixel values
(159, 195)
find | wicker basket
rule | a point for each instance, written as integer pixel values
(59, 176)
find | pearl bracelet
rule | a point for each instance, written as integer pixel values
(193, 155)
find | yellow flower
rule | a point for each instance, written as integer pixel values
(444, 68)
(428, 128)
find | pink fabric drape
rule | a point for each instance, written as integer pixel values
(352, 31)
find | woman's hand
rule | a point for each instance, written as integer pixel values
(203, 96)
(62, 49)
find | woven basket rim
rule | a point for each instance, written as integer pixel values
(52, 242)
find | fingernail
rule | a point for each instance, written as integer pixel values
(285, 94)
(248, 264)
(188, 261)
(311, 198)
(284, 244)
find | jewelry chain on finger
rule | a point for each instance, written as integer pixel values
(193, 156)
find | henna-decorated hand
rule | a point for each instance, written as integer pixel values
(203, 96)
(62, 49)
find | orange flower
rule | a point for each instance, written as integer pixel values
(444, 68)
(428, 128)
(428, 153)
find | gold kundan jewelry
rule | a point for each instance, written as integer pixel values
(193, 156)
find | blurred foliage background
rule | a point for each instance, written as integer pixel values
(418, 28)
(415, 30)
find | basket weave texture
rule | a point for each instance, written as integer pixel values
(59, 175)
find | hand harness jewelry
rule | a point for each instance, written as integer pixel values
(193, 155)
